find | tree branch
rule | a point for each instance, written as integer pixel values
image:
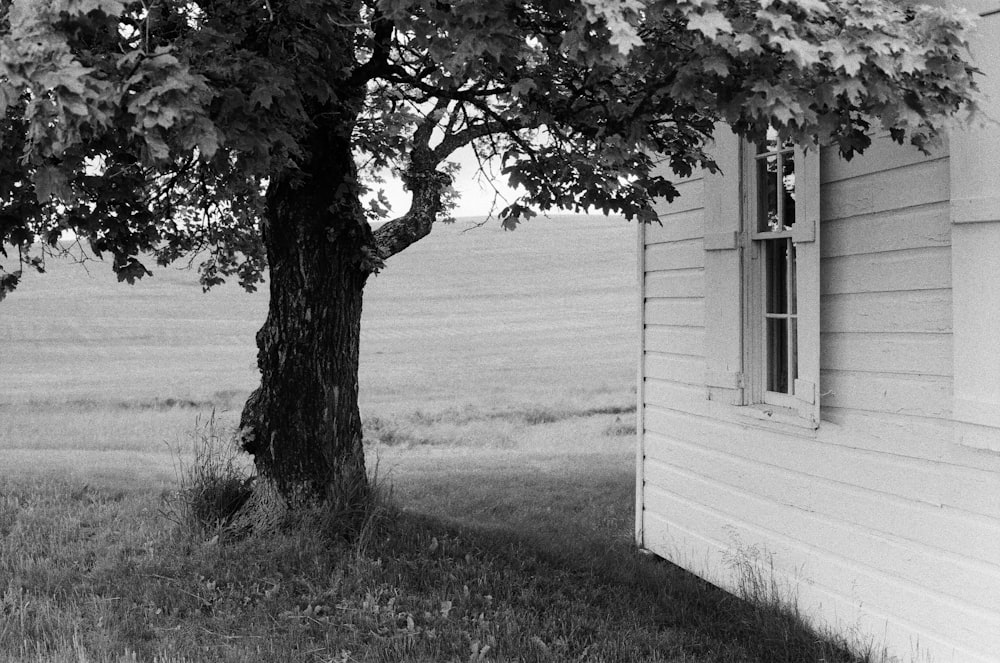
(394, 236)
(426, 182)
(452, 142)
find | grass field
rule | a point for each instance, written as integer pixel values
(469, 319)
(497, 391)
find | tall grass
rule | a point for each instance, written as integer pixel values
(215, 482)
(220, 498)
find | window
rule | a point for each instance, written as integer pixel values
(774, 345)
(775, 231)
(761, 245)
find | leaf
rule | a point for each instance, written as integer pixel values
(263, 95)
(208, 144)
(8, 281)
(716, 64)
(108, 7)
(625, 40)
(910, 63)
(51, 182)
(747, 43)
(6, 100)
(617, 15)
(513, 214)
(68, 75)
(75, 106)
(710, 24)
(803, 52)
(158, 149)
(129, 269)
(851, 87)
(206, 138)
(522, 87)
(850, 62)
(819, 7)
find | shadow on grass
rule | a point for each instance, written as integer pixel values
(580, 521)
(512, 565)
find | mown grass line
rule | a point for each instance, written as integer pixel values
(456, 425)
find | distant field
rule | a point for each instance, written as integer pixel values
(473, 320)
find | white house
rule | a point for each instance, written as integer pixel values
(820, 382)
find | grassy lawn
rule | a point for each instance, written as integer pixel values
(478, 555)
(498, 403)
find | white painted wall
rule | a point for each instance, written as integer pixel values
(882, 522)
(975, 215)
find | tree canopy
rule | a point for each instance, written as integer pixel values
(153, 128)
(250, 133)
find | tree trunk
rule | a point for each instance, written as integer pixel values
(302, 424)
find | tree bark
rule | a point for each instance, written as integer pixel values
(302, 424)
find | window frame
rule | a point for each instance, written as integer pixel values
(800, 406)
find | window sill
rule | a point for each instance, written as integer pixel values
(772, 416)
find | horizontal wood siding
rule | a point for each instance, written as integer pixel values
(922, 183)
(914, 312)
(668, 256)
(886, 284)
(678, 224)
(709, 478)
(876, 521)
(672, 367)
(795, 544)
(672, 282)
(690, 198)
(675, 311)
(910, 544)
(676, 283)
(889, 352)
(679, 340)
(969, 495)
(674, 289)
(896, 230)
(871, 391)
(905, 270)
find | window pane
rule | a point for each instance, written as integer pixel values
(767, 194)
(793, 354)
(776, 192)
(777, 355)
(770, 143)
(792, 276)
(788, 189)
(776, 270)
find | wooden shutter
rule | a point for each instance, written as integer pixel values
(806, 238)
(723, 273)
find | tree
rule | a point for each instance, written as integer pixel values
(248, 132)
